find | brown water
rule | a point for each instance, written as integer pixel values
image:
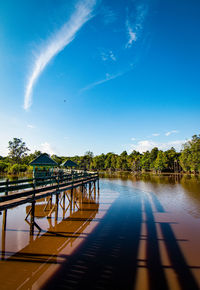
(138, 232)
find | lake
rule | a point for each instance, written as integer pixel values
(137, 232)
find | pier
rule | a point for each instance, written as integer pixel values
(31, 190)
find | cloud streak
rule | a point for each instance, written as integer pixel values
(97, 83)
(57, 43)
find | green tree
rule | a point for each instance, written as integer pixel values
(172, 159)
(57, 159)
(17, 150)
(190, 155)
(145, 161)
(98, 162)
(3, 166)
(161, 161)
(87, 158)
(134, 161)
(121, 162)
(153, 156)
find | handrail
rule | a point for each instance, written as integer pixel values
(49, 186)
(28, 183)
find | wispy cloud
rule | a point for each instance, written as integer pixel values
(171, 132)
(109, 16)
(58, 42)
(30, 126)
(155, 134)
(97, 83)
(109, 55)
(131, 35)
(134, 24)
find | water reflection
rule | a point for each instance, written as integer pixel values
(125, 251)
(68, 217)
(180, 192)
(139, 232)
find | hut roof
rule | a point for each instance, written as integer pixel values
(43, 160)
(69, 163)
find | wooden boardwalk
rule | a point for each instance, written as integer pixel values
(29, 190)
(37, 261)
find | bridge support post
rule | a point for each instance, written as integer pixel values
(3, 246)
(94, 188)
(90, 189)
(56, 211)
(32, 222)
(71, 200)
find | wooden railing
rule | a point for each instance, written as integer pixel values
(31, 189)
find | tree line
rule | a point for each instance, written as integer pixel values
(188, 160)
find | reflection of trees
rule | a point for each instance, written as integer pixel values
(191, 184)
(146, 177)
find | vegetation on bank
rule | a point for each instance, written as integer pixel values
(188, 160)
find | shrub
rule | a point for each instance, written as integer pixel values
(17, 168)
(3, 166)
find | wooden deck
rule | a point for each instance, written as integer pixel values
(29, 190)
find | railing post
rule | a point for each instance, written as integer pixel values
(7, 188)
(33, 209)
(72, 184)
(4, 234)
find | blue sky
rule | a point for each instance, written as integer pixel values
(104, 76)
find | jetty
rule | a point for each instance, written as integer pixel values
(16, 193)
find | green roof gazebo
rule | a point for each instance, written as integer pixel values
(69, 163)
(43, 165)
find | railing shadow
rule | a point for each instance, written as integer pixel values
(108, 259)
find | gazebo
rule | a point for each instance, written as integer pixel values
(69, 163)
(43, 165)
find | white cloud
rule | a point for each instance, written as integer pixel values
(135, 26)
(145, 145)
(171, 132)
(155, 134)
(30, 126)
(133, 139)
(57, 43)
(132, 35)
(47, 148)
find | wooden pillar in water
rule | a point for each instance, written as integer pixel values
(3, 246)
(94, 189)
(71, 200)
(33, 210)
(63, 204)
(32, 218)
(4, 222)
(98, 188)
(90, 189)
(56, 211)
(74, 198)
